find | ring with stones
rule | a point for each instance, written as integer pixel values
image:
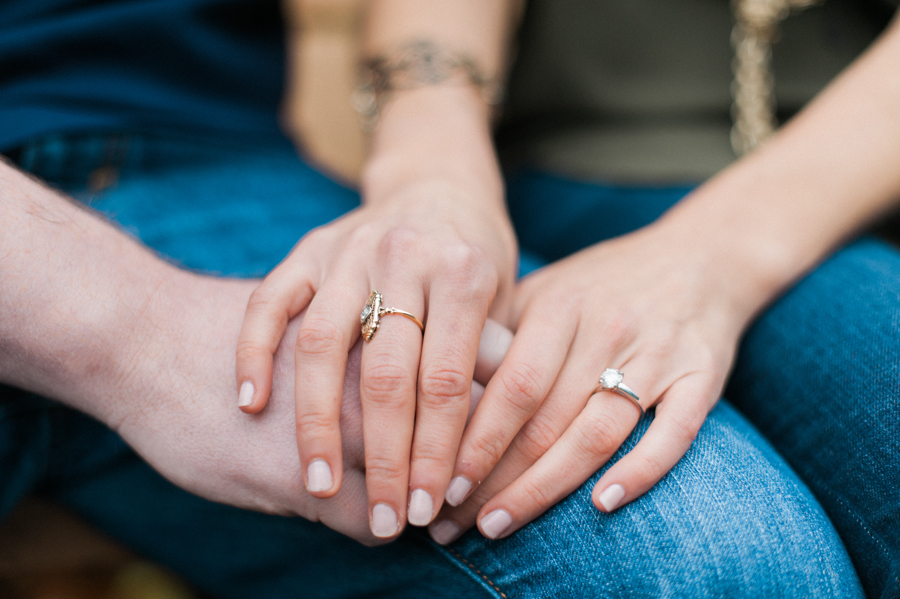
(370, 317)
(611, 380)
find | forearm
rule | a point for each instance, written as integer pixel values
(438, 127)
(830, 172)
(73, 289)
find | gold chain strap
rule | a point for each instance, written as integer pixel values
(755, 30)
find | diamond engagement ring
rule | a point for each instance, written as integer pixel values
(611, 380)
(370, 317)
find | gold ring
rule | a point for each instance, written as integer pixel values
(370, 317)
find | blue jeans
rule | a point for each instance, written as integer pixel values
(731, 519)
(818, 373)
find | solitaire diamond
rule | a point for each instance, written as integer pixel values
(611, 378)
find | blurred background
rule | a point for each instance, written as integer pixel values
(46, 553)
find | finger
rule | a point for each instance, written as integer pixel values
(456, 319)
(492, 347)
(283, 294)
(389, 371)
(585, 446)
(592, 438)
(452, 522)
(679, 416)
(566, 399)
(512, 396)
(346, 511)
(329, 329)
(475, 396)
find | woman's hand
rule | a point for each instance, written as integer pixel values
(650, 304)
(431, 248)
(667, 304)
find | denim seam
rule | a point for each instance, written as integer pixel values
(470, 569)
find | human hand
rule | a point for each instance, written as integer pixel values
(96, 321)
(175, 408)
(433, 250)
(650, 304)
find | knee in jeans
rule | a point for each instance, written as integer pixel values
(729, 520)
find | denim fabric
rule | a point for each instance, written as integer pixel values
(839, 423)
(731, 519)
(818, 373)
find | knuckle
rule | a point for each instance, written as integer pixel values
(481, 495)
(322, 234)
(313, 424)
(263, 299)
(536, 493)
(362, 236)
(522, 388)
(664, 345)
(651, 467)
(685, 426)
(460, 257)
(469, 269)
(444, 386)
(619, 327)
(709, 360)
(568, 300)
(399, 244)
(491, 446)
(553, 298)
(431, 456)
(536, 438)
(385, 383)
(385, 470)
(248, 352)
(319, 337)
(598, 436)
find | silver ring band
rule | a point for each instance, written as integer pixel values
(611, 380)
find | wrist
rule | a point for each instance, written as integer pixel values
(79, 299)
(750, 262)
(435, 132)
(59, 293)
(101, 345)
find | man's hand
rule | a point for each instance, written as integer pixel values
(92, 319)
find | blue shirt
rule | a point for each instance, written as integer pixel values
(175, 65)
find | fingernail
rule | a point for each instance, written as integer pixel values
(444, 532)
(318, 476)
(495, 524)
(611, 496)
(421, 506)
(458, 489)
(245, 397)
(384, 521)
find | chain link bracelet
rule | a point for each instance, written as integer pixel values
(417, 64)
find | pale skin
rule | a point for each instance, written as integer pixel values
(684, 290)
(667, 305)
(433, 237)
(98, 322)
(91, 318)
